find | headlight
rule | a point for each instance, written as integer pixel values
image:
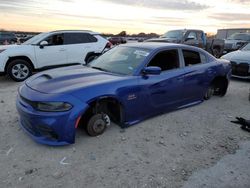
(239, 44)
(2, 50)
(53, 106)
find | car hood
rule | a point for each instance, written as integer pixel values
(238, 55)
(69, 79)
(233, 41)
(162, 40)
(5, 47)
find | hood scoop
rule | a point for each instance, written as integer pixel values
(68, 79)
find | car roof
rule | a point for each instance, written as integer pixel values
(242, 33)
(197, 30)
(157, 45)
(75, 31)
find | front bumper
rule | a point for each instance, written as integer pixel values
(3, 61)
(50, 128)
(240, 70)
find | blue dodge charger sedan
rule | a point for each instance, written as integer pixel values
(126, 85)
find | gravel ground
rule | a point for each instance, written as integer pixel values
(170, 150)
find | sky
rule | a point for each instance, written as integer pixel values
(114, 16)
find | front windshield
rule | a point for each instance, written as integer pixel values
(120, 60)
(35, 39)
(246, 48)
(176, 34)
(239, 36)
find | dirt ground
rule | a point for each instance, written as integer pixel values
(171, 150)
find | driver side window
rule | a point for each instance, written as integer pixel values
(192, 35)
(55, 40)
(166, 60)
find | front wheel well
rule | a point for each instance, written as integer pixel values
(220, 84)
(25, 58)
(109, 106)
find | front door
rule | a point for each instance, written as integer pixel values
(164, 91)
(55, 53)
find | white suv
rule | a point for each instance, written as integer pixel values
(49, 50)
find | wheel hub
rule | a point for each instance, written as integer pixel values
(20, 71)
(99, 125)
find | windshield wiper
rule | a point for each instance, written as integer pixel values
(101, 69)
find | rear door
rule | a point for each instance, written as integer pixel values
(52, 55)
(196, 78)
(164, 91)
(79, 45)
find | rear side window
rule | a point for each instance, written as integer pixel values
(166, 60)
(92, 38)
(203, 58)
(192, 58)
(79, 38)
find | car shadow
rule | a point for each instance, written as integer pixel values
(240, 80)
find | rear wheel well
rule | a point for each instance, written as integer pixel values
(25, 58)
(220, 85)
(109, 106)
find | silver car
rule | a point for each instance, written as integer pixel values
(240, 61)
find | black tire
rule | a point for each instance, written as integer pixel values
(96, 125)
(19, 70)
(216, 52)
(209, 93)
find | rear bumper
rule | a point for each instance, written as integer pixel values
(241, 77)
(50, 128)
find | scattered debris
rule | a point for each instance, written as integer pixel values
(183, 172)
(58, 175)
(197, 147)
(9, 151)
(162, 143)
(20, 178)
(147, 139)
(123, 138)
(30, 171)
(2, 101)
(183, 134)
(245, 124)
(64, 163)
(92, 157)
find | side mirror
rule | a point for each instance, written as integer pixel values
(43, 43)
(152, 70)
(189, 38)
